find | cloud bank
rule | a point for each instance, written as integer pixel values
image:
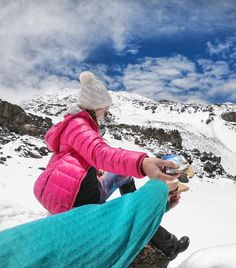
(180, 79)
(46, 43)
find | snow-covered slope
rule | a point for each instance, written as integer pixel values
(191, 120)
(206, 213)
(218, 256)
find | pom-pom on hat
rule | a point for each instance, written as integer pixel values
(93, 95)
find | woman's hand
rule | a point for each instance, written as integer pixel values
(174, 199)
(174, 195)
(154, 167)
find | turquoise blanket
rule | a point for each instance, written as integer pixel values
(99, 236)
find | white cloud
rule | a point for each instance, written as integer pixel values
(214, 68)
(224, 48)
(40, 38)
(177, 78)
(186, 82)
(217, 49)
(153, 76)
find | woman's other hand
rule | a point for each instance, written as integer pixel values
(174, 195)
(174, 200)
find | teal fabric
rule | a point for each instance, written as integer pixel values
(101, 236)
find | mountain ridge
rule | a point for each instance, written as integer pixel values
(153, 125)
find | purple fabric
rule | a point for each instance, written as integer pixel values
(110, 183)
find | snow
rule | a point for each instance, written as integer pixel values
(219, 256)
(206, 212)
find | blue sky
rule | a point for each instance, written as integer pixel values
(178, 50)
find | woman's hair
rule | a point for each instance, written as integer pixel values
(92, 113)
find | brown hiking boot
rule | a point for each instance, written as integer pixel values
(150, 257)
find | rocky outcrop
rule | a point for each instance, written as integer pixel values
(210, 156)
(6, 135)
(211, 164)
(229, 116)
(14, 119)
(30, 150)
(209, 119)
(144, 134)
(209, 167)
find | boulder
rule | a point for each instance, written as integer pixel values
(209, 167)
(117, 136)
(209, 119)
(210, 156)
(229, 116)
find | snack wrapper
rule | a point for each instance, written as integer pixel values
(182, 164)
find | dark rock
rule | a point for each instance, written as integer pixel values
(18, 149)
(175, 138)
(187, 157)
(216, 159)
(212, 114)
(229, 116)
(211, 175)
(196, 152)
(27, 149)
(15, 119)
(164, 101)
(3, 158)
(43, 151)
(219, 169)
(6, 135)
(153, 107)
(136, 141)
(148, 134)
(208, 108)
(42, 168)
(210, 156)
(209, 119)
(183, 178)
(117, 136)
(34, 155)
(209, 167)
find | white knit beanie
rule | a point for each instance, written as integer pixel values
(93, 95)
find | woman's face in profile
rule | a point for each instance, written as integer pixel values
(100, 113)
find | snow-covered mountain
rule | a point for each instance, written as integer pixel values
(203, 128)
(204, 134)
